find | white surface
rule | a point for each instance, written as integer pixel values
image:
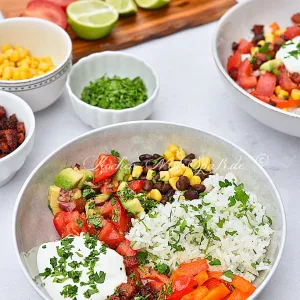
(191, 93)
(111, 63)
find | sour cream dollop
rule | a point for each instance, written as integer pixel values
(291, 62)
(90, 268)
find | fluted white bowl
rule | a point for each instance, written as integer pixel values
(10, 164)
(41, 38)
(110, 63)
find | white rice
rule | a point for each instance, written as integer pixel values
(244, 252)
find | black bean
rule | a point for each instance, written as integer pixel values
(164, 199)
(234, 46)
(161, 166)
(142, 177)
(257, 38)
(170, 193)
(183, 183)
(156, 156)
(166, 188)
(146, 168)
(147, 162)
(157, 177)
(199, 173)
(186, 161)
(145, 156)
(158, 185)
(148, 185)
(136, 163)
(200, 188)
(191, 195)
(191, 156)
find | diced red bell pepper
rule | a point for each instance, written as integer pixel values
(212, 283)
(266, 84)
(181, 286)
(150, 273)
(124, 249)
(285, 81)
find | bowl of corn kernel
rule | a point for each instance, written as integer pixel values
(35, 59)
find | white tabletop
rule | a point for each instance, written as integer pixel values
(191, 93)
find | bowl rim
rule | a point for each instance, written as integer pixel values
(31, 121)
(58, 67)
(48, 157)
(83, 60)
(220, 23)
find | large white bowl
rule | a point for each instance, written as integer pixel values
(42, 38)
(110, 63)
(32, 215)
(234, 25)
(11, 163)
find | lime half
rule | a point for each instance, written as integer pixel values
(151, 4)
(91, 19)
(124, 7)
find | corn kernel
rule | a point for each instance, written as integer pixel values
(34, 63)
(277, 89)
(181, 197)
(2, 58)
(173, 148)
(40, 73)
(24, 66)
(205, 163)
(280, 31)
(285, 109)
(43, 66)
(23, 75)
(6, 47)
(137, 171)
(168, 155)
(195, 180)
(180, 154)
(16, 75)
(172, 182)
(7, 73)
(14, 56)
(188, 173)
(254, 50)
(164, 176)
(261, 43)
(48, 60)
(175, 163)
(295, 94)
(155, 195)
(8, 53)
(284, 93)
(195, 164)
(177, 171)
(269, 37)
(149, 175)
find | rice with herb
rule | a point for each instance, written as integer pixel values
(227, 226)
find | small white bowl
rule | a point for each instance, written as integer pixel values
(110, 63)
(237, 24)
(10, 164)
(41, 38)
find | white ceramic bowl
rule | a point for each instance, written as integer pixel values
(42, 38)
(110, 63)
(32, 215)
(234, 25)
(11, 163)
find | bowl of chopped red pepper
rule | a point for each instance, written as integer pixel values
(17, 126)
(260, 61)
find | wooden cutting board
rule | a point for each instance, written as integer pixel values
(145, 26)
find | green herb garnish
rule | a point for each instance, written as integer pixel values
(115, 153)
(162, 268)
(228, 274)
(264, 48)
(215, 262)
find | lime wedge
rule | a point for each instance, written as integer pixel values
(124, 7)
(151, 4)
(91, 19)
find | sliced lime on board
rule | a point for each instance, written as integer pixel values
(151, 4)
(91, 19)
(124, 7)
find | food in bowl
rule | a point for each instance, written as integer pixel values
(115, 93)
(164, 227)
(16, 63)
(12, 133)
(268, 66)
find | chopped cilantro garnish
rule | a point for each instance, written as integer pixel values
(69, 291)
(162, 268)
(46, 273)
(226, 183)
(228, 274)
(230, 232)
(264, 48)
(96, 221)
(215, 262)
(115, 153)
(142, 257)
(221, 223)
(79, 222)
(88, 193)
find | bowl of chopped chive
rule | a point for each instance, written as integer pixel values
(112, 87)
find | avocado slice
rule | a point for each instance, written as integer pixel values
(87, 176)
(53, 194)
(123, 171)
(101, 198)
(129, 200)
(91, 210)
(77, 194)
(272, 66)
(68, 178)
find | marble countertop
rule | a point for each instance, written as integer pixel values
(191, 93)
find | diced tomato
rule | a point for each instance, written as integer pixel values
(181, 286)
(106, 209)
(110, 235)
(119, 216)
(265, 99)
(105, 166)
(70, 223)
(80, 205)
(43, 9)
(150, 273)
(244, 46)
(245, 80)
(292, 32)
(62, 3)
(266, 84)
(234, 61)
(109, 186)
(285, 81)
(212, 283)
(124, 249)
(136, 185)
